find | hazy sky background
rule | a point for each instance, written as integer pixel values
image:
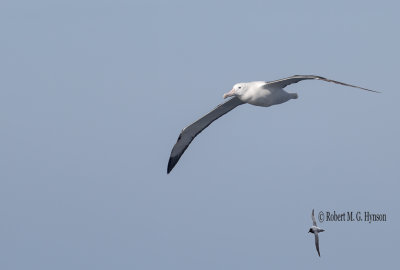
(93, 95)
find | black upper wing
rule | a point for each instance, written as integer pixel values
(282, 83)
(189, 133)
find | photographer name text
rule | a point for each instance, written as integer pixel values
(357, 216)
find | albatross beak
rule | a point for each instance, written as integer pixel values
(229, 94)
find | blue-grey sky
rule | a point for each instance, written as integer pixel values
(93, 97)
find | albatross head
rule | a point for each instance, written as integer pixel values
(237, 90)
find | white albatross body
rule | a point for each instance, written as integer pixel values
(258, 93)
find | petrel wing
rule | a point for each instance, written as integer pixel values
(314, 222)
(317, 243)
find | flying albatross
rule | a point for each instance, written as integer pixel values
(258, 93)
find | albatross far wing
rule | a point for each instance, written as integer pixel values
(317, 243)
(190, 132)
(282, 83)
(314, 222)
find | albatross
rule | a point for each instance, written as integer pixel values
(258, 93)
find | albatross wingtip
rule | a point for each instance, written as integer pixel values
(171, 163)
(169, 168)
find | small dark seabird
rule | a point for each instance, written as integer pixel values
(315, 230)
